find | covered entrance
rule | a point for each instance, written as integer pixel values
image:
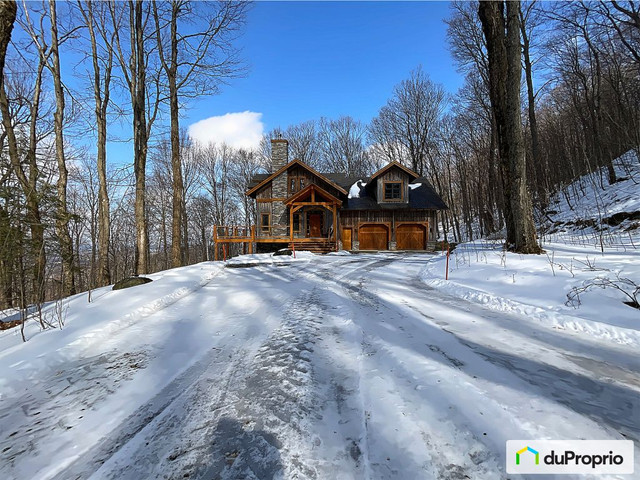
(313, 216)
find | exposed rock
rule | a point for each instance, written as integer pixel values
(131, 282)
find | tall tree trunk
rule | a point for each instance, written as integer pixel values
(62, 217)
(177, 253)
(8, 11)
(101, 92)
(140, 135)
(531, 98)
(170, 67)
(503, 49)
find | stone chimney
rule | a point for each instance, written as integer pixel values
(279, 153)
(279, 158)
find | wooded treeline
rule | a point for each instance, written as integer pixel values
(77, 76)
(72, 217)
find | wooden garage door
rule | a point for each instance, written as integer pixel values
(410, 237)
(373, 237)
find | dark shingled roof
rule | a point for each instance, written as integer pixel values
(344, 180)
(424, 197)
(340, 179)
(256, 179)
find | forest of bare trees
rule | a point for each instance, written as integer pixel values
(72, 217)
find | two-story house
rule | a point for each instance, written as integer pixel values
(394, 209)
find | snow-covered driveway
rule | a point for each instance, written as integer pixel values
(338, 367)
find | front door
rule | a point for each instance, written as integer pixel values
(315, 225)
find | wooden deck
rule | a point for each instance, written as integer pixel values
(247, 235)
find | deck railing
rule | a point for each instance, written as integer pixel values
(226, 235)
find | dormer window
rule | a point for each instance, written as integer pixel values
(393, 191)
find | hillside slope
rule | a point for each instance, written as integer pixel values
(591, 210)
(589, 276)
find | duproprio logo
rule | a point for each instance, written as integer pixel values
(527, 448)
(570, 456)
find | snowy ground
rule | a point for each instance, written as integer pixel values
(329, 367)
(567, 287)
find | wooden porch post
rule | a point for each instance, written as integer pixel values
(215, 243)
(335, 226)
(291, 222)
(253, 238)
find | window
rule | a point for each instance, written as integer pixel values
(295, 184)
(393, 191)
(265, 222)
(296, 222)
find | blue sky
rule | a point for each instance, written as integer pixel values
(313, 59)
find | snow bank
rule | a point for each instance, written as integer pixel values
(590, 234)
(89, 324)
(536, 286)
(268, 259)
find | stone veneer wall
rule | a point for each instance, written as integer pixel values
(279, 158)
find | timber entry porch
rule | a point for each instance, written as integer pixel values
(308, 221)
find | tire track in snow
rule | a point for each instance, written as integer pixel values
(258, 425)
(382, 464)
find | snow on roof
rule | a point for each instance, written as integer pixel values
(356, 188)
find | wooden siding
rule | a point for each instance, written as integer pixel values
(264, 193)
(309, 179)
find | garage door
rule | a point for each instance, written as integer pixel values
(373, 237)
(411, 237)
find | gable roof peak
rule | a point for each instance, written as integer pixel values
(392, 164)
(286, 167)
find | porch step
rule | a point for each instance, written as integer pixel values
(319, 246)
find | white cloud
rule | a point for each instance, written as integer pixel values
(239, 130)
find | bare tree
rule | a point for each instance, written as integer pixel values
(405, 127)
(215, 164)
(22, 98)
(342, 145)
(101, 40)
(528, 22)
(468, 48)
(501, 26)
(194, 63)
(62, 218)
(244, 167)
(134, 60)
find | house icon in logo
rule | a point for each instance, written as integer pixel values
(524, 450)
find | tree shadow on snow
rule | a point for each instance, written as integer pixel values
(240, 452)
